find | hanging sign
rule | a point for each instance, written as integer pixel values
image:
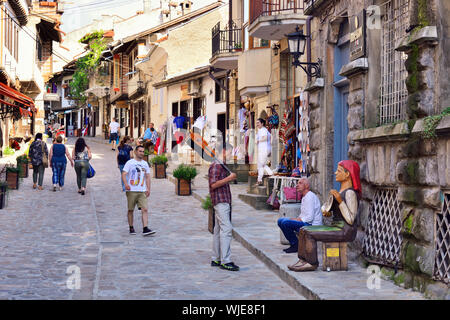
(358, 35)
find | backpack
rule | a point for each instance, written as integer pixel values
(123, 156)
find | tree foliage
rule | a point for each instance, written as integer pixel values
(87, 65)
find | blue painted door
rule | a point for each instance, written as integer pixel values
(341, 88)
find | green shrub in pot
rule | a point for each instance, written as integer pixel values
(185, 172)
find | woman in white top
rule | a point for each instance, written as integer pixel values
(264, 149)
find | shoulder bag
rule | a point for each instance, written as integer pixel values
(44, 156)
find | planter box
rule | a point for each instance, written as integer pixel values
(211, 220)
(159, 171)
(12, 178)
(3, 197)
(24, 166)
(183, 187)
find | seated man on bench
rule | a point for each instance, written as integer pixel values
(309, 215)
(343, 205)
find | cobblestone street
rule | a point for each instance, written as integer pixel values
(45, 233)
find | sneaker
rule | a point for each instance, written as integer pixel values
(147, 231)
(54, 188)
(291, 249)
(229, 266)
(132, 230)
(215, 263)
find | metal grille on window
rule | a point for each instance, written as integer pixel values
(383, 235)
(393, 72)
(442, 262)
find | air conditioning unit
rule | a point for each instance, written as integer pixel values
(194, 87)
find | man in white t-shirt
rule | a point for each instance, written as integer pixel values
(114, 128)
(136, 178)
(310, 214)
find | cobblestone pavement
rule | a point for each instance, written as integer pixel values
(45, 233)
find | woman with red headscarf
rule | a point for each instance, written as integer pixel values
(343, 206)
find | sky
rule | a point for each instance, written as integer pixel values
(78, 13)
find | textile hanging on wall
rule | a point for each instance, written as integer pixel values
(303, 151)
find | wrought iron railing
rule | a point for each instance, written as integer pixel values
(273, 7)
(226, 40)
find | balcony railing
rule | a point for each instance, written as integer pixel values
(274, 7)
(226, 40)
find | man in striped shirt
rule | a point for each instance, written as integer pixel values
(219, 189)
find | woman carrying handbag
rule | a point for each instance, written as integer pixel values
(81, 155)
(39, 159)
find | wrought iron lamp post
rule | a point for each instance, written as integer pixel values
(297, 43)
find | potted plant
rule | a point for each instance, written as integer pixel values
(207, 205)
(184, 175)
(12, 177)
(3, 194)
(22, 162)
(238, 47)
(146, 154)
(159, 164)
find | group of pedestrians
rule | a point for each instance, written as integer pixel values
(41, 157)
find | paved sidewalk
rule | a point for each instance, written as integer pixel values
(45, 235)
(257, 230)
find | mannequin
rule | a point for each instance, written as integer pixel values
(343, 206)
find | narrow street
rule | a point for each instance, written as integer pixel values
(46, 235)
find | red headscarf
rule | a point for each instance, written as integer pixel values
(352, 167)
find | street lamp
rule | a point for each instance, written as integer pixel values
(297, 43)
(140, 85)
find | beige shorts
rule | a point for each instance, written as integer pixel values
(136, 198)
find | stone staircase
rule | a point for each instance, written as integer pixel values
(256, 196)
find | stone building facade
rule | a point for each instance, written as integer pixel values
(383, 88)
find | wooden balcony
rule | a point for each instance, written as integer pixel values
(274, 19)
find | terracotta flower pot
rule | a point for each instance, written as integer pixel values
(159, 171)
(183, 187)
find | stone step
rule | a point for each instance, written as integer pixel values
(259, 190)
(258, 202)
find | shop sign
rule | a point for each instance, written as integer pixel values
(358, 35)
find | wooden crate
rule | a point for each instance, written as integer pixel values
(24, 169)
(334, 256)
(183, 187)
(159, 171)
(12, 178)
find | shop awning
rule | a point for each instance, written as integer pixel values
(20, 98)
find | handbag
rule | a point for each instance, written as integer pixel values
(273, 198)
(290, 193)
(91, 172)
(44, 156)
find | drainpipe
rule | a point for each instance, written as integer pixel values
(227, 102)
(308, 44)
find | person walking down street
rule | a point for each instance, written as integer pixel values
(264, 149)
(81, 155)
(114, 128)
(38, 150)
(124, 155)
(310, 214)
(219, 190)
(136, 178)
(58, 162)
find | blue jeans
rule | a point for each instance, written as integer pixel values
(289, 227)
(59, 170)
(121, 170)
